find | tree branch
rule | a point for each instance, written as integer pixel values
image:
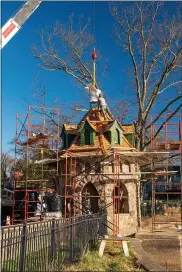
(162, 125)
(169, 85)
(75, 39)
(163, 111)
(135, 70)
(165, 74)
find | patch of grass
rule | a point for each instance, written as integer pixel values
(34, 261)
(112, 260)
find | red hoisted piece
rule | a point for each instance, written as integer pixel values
(94, 55)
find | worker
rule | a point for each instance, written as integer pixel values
(93, 94)
(102, 105)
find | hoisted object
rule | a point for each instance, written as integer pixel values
(94, 55)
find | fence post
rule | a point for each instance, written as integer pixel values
(52, 253)
(71, 241)
(23, 248)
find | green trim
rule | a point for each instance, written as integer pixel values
(114, 134)
(91, 131)
(92, 138)
(82, 138)
(85, 125)
(67, 139)
(130, 138)
(87, 136)
(70, 139)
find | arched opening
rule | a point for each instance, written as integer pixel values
(107, 135)
(90, 199)
(87, 137)
(120, 199)
(117, 136)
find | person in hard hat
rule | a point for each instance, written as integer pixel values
(93, 94)
(102, 105)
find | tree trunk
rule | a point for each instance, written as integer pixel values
(140, 135)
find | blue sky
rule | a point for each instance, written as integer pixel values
(19, 68)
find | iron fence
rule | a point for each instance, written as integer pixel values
(49, 245)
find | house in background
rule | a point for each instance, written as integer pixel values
(172, 184)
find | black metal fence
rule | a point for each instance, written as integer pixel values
(49, 245)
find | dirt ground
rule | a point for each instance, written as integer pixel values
(147, 221)
(166, 256)
(162, 245)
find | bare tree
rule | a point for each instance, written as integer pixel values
(6, 164)
(66, 47)
(120, 111)
(153, 43)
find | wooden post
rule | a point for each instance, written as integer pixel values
(102, 247)
(125, 248)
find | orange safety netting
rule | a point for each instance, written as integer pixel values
(35, 140)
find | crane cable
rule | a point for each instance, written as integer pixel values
(94, 19)
(94, 53)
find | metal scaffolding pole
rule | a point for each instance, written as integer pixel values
(171, 128)
(32, 135)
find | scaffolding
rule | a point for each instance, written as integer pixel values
(36, 144)
(163, 186)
